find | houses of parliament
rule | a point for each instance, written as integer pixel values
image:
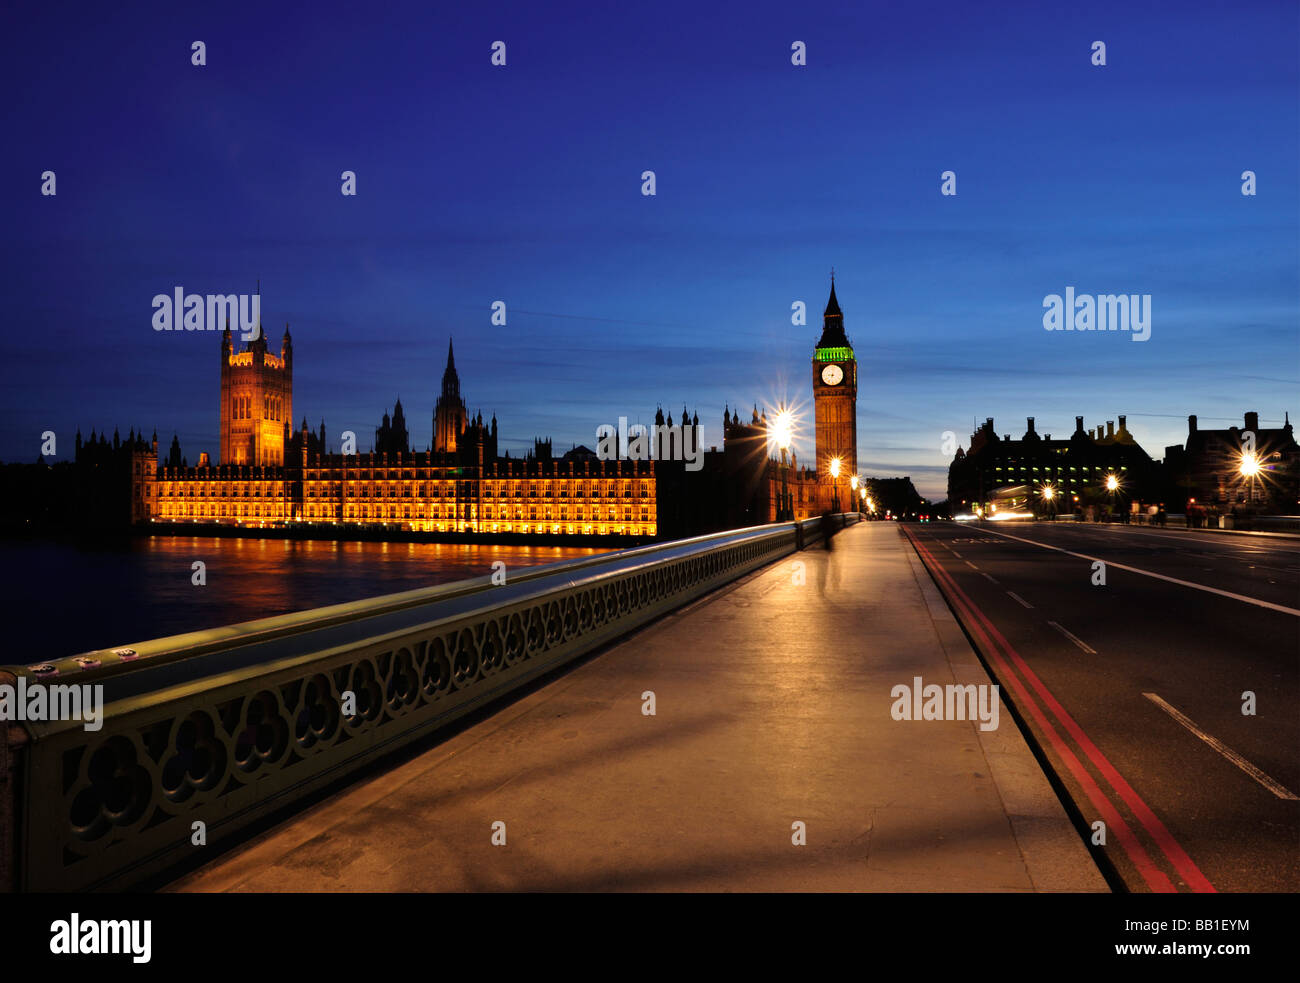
(272, 475)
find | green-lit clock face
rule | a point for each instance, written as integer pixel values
(832, 375)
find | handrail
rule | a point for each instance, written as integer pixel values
(224, 727)
(93, 666)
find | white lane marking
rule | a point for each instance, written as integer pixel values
(1281, 791)
(1261, 543)
(971, 565)
(1073, 638)
(987, 577)
(1158, 576)
(955, 553)
(1017, 597)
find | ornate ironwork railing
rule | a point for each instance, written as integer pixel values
(224, 727)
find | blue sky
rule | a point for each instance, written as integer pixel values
(522, 183)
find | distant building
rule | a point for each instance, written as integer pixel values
(753, 480)
(835, 395)
(111, 477)
(459, 485)
(256, 401)
(449, 414)
(1250, 466)
(392, 436)
(270, 475)
(896, 496)
(1075, 470)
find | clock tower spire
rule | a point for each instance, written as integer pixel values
(835, 401)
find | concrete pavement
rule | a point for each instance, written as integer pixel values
(772, 707)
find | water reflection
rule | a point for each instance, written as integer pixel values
(65, 598)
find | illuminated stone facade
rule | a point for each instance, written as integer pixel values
(271, 476)
(461, 486)
(416, 492)
(835, 396)
(256, 401)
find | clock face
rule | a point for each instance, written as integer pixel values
(832, 375)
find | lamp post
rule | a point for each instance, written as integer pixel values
(853, 482)
(1049, 496)
(783, 430)
(1250, 469)
(835, 485)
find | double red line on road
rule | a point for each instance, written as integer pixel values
(987, 634)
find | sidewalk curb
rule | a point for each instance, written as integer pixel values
(1054, 856)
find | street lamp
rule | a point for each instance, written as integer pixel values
(1112, 486)
(853, 483)
(783, 433)
(1250, 469)
(835, 488)
(1049, 496)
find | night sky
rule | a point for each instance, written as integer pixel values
(523, 184)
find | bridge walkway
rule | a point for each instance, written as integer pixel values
(772, 705)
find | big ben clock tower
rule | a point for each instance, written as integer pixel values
(835, 399)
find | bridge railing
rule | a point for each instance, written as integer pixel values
(208, 732)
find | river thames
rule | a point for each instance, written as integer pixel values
(66, 598)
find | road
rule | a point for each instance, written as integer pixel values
(1136, 688)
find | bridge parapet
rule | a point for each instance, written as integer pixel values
(228, 726)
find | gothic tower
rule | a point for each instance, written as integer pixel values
(835, 398)
(392, 437)
(449, 416)
(256, 400)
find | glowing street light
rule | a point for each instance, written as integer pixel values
(835, 486)
(854, 482)
(1112, 483)
(783, 434)
(783, 429)
(1250, 465)
(1049, 496)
